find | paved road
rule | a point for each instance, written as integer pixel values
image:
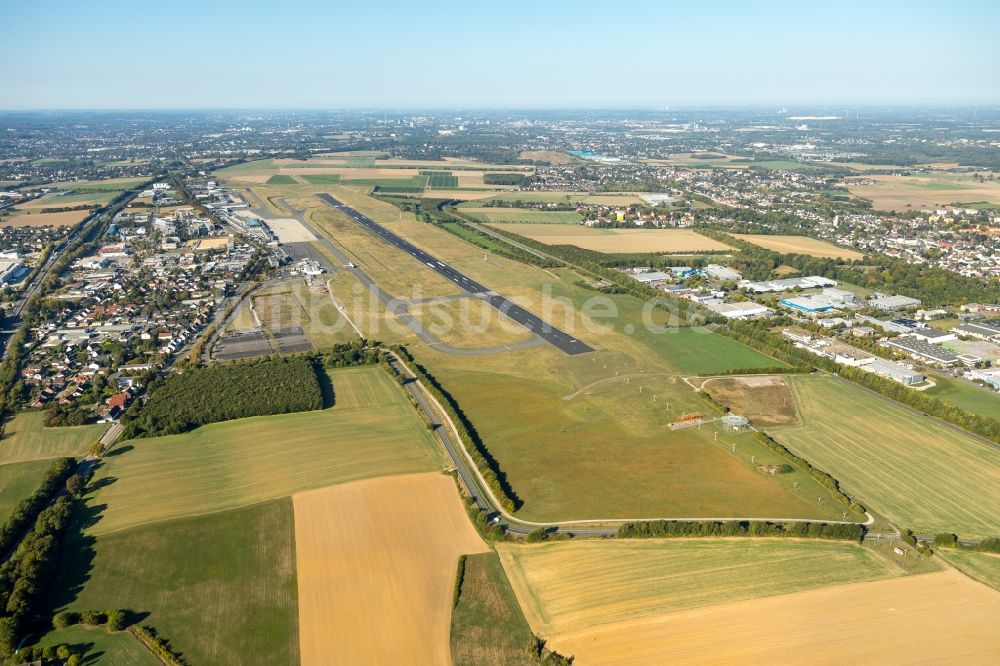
(559, 339)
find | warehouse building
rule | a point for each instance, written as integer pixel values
(983, 330)
(895, 371)
(923, 350)
(809, 304)
(890, 303)
(787, 284)
(746, 310)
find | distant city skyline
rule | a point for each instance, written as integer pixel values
(513, 55)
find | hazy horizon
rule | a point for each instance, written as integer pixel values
(519, 56)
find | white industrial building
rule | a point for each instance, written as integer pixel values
(890, 303)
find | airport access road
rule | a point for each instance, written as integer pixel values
(557, 338)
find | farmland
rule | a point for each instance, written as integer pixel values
(984, 567)
(931, 190)
(616, 240)
(918, 471)
(119, 648)
(231, 464)
(376, 567)
(219, 587)
(523, 216)
(61, 219)
(18, 481)
(25, 437)
(934, 617)
(572, 586)
(765, 400)
(800, 245)
(565, 198)
(487, 625)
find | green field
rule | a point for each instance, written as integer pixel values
(523, 216)
(411, 184)
(984, 567)
(970, 398)
(18, 481)
(220, 588)
(278, 179)
(320, 179)
(487, 625)
(25, 437)
(371, 431)
(440, 180)
(573, 585)
(916, 470)
(101, 646)
(115, 184)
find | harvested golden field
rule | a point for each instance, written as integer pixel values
(65, 218)
(570, 586)
(765, 400)
(925, 191)
(939, 617)
(376, 564)
(800, 245)
(616, 240)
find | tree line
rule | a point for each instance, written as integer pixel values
(654, 529)
(23, 577)
(488, 466)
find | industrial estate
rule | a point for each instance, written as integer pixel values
(664, 386)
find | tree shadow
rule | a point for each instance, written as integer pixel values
(76, 559)
(117, 451)
(326, 386)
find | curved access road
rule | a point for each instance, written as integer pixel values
(472, 479)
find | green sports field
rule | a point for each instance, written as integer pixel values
(914, 469)
(226, 465)
(25, 437)
(221, 588)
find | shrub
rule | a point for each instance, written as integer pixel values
(117, 619)
(65, 619)
(94, 618)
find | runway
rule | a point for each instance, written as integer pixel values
(533, 323)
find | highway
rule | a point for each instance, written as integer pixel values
(557, 338)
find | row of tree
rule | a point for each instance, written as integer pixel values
(24, 576)
(647, 529)
(488, 466)
(27, 510)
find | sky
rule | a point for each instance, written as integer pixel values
(69, 54)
